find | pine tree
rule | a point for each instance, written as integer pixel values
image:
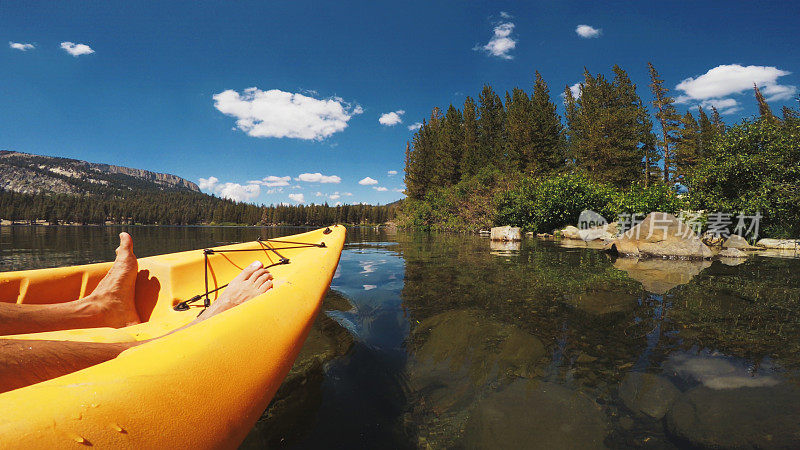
(547, 152)
(472, 157)
(652, 156)
(450, 144)
(668, 118)
(763, 108)
(716, 120)
(491, 139)
(519, 132)
(708, 132)
(687, 148)
(572, 133)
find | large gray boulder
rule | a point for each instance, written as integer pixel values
(661, 235)
(535, 414)
(732, 253)
(647, 394)
(755, 417)
(506, 233)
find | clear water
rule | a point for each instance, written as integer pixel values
(464, 344)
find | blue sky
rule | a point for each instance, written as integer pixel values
(164, 86)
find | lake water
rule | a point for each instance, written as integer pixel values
(460, 343)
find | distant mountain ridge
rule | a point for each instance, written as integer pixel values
(32, 174)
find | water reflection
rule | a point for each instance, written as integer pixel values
(544, 346)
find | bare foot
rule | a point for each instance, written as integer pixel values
(251, 282)
(114, 295)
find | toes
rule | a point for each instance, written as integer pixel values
(125, 242)
(249, 270)
(265, 287)
(263, 278)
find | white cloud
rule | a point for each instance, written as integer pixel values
(279, 114)
(725, 80)
(318, 178)
(368, 181)
(712, 87)
(723, 105)
(76, 49)
(391, 118)
(233, 191)
(20, 46)
(347, 194)
(398, 190)
(391, 173)
(588, 31)
(501, 42)
(338, 204)
(575, 89)
(334, 196)
(298, 198)
(208, 184)
(415, 126)
(272, 181)
(505, 15)
(380, 188)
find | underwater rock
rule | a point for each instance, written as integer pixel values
(751, 417)
(600, 302)
(536, 414)
(647, 394)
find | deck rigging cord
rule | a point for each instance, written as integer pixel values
(266, 245)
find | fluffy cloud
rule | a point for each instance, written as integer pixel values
(415, 126)
(76, 49)
(272, 181)
(280, 114)
(233, 191)
(391, 118)
(391, 173)
(318, 178)
(728, 79)
(368, 181)
(298, 198)
(723, 105)
(380, 188)
(501, 42)
(588, 31)
(20, 46)
(505, 15)
(712, 87)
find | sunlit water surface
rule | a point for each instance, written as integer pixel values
(462, 343)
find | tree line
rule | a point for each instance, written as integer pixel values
(178, 207)
(608, 133)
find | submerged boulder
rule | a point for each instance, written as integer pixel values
(647, 394)
(661, 235)
(536, 414)
(507, 233)
(752, 417)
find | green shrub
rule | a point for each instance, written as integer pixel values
(753, 167)
(639, 199)
(544, 204)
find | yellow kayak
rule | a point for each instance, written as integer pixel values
(201, 387)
